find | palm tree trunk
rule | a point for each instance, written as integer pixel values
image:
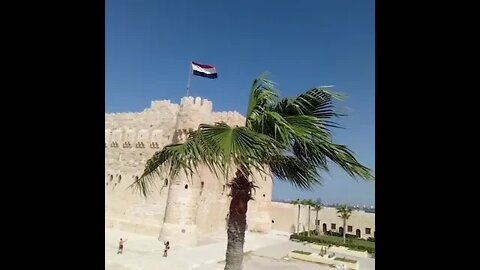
(344, 229)
(308, 229)
(241, 194)
(316, 221)
(298, 220)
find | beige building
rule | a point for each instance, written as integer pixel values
(288, 217)
(187, 210)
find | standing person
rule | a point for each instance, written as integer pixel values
(167, 247)
(120, 245)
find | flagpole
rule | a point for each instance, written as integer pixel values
(189, 78)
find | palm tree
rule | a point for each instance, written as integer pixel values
(289, 138)
(310, 204)
(308, 221)
(297, 202)
(344, 212)
(317, 208)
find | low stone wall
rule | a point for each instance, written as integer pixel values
(325, 260)
(342, 250)
(129, 226)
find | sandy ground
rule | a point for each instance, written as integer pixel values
(264, 251)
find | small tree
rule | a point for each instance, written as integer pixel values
(344, 212)
(310, 204)
(317, 208)
(297, 202)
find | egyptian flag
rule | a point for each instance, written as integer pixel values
(204, 70)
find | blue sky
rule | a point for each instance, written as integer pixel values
(149, 45)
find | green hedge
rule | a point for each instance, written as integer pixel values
(371, 239)
(347, 235)
(353, 236)
(333, 233)
(349, 244)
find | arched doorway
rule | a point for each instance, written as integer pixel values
(324, 227)
(357, 233)
(340, 230)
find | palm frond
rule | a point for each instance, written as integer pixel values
(170, 160)
(344, 211)
(291, 169)
(219, 147)
(317, 102)
(240, 146)
(308, 153)
(288, 129)
(344, 157)
(262, 95)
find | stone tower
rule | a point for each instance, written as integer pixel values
(180, 221)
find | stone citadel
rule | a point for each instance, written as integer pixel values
(189, 210)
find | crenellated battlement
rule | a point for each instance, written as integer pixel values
(229, 117)
(198, 101)
(125, 115)
(162, 105)
(193, 112)
(163, 123)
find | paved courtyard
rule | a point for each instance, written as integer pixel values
(264, 251)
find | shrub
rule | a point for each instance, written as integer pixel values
(347, 235)
(371, 239)
(350, 245)
(333, 233)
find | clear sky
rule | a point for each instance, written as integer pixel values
(150, 43)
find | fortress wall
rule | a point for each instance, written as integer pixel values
(258, 215)
(213, 205)
(284, 216)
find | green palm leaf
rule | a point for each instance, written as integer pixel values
(344, 212)
(219, 146)
(291, 169)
